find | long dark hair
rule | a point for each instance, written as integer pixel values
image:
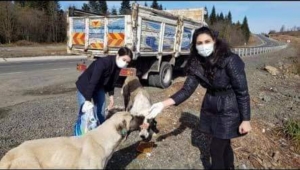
(221, 50)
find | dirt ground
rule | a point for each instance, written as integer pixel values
(51, 110)
(32, 50)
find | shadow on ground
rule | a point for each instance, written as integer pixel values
(199, 139)
(123, 157)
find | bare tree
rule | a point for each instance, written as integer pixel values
(7, 20)
(282, 29)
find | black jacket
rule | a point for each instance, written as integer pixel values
(102, 73)
(221, 114)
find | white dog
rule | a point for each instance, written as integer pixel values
(137, 101)
(92, 150)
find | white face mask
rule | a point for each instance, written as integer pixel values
(205, 50)
(121, 63)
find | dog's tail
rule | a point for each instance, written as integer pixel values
(5, 162)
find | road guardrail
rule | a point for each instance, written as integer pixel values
(257, 50)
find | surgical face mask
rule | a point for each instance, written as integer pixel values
(205, 50)
(121, 63)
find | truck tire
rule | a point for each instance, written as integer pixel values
(162, 79)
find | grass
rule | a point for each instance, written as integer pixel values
(291, 131)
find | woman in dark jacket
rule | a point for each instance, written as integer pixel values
(100, 77)
(225, 111)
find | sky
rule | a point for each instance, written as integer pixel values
(262, 16)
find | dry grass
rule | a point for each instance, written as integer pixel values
(28, 49)
(254, 41)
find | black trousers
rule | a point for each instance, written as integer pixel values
(221, 154)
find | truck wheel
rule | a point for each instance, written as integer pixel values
(152, 79)
(162, 79)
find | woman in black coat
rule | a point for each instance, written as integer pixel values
(100, 78)
(225, 111)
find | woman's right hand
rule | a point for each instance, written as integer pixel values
(155, 109)
(87, 106)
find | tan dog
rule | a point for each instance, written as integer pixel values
(137, 101)
(92, 150)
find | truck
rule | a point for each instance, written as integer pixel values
(160, 41)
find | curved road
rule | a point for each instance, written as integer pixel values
(267, 42)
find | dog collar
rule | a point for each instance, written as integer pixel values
(123, 132)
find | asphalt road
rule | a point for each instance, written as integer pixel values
(267, 42)
(23, 67)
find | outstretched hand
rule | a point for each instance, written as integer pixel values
(155, 110)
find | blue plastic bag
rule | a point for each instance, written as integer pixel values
(85, 122)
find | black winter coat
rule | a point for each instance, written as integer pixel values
(226, 102)
(102, 73)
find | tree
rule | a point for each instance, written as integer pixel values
(103, 7)
(85, 7)
(229, 17)
(213, 17)
(114, 11)
(125, 8)
(155, 4)
(238, 24)
(146, 4)
(94, 6)
(282, 29)
(206, 15)
(7, 19)
(245, 29)
(161, 7)
(221, 17)
(165, 8)
(21, 3)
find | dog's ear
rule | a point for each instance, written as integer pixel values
(111, 112)
(126, 95)
(136, 122)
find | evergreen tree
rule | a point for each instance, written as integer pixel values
(245, 29)
(85, 7)
(206, 15)
(160, 7)
(125, 8)
(229, 17)
(218, 17)
(221, 17)
(94, 6)
(146, 4)
(238, 24)
(213, 17)
(114, 11)
(155, 4)
(103, 7)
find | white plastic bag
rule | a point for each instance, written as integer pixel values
(85, 122)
